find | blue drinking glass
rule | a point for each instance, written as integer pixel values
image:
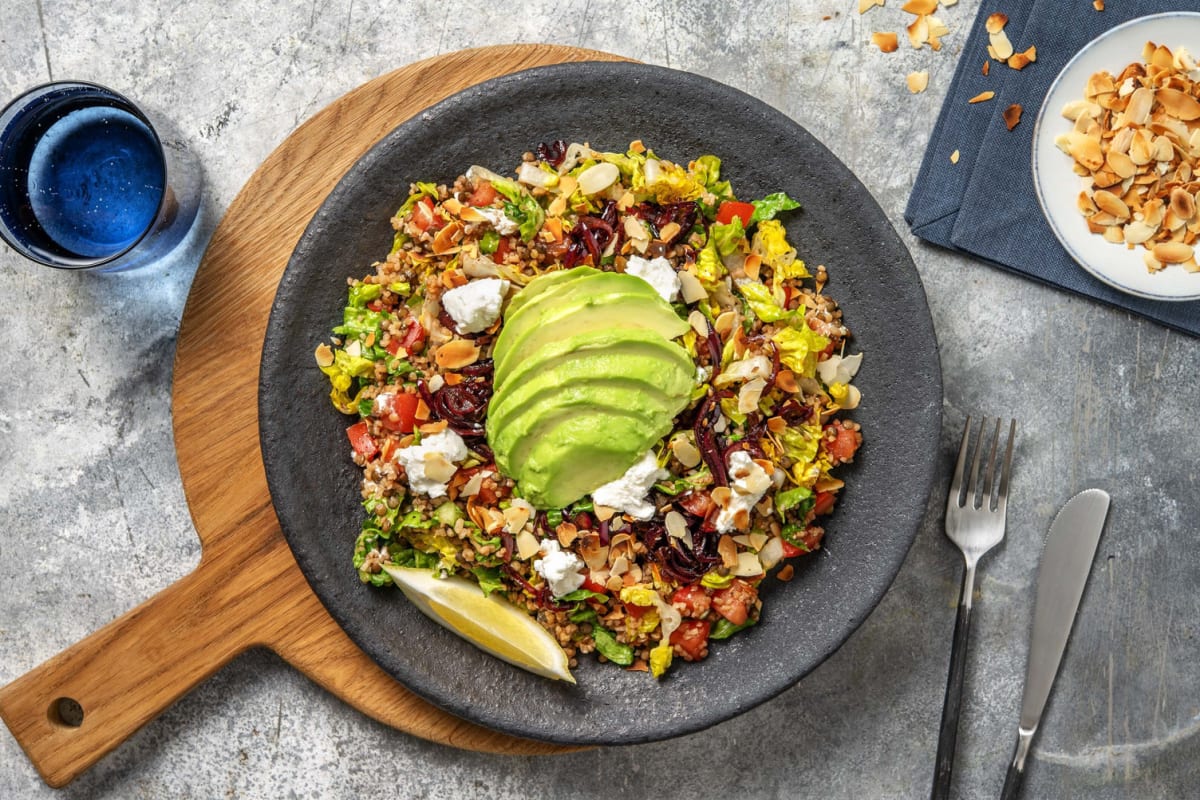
(85, 181)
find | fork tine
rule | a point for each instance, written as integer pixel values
(989, 476)
(956, 482)
(971, 499)
(1006, 471)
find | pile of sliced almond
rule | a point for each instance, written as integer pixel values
(1136, 144)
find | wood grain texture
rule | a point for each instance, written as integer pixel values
(248, 590)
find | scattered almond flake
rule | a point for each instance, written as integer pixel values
(324, 355)
(886, 42)
(1020, 61)
(1000, 45)
(982, 97)
(866, 5)
(987, 67)
(527, 545)
(920, 7)
(472, 486)
(685, 452)
(1096, 4)
(954, 157)
(918, 32)
(727, 550)
(456, 354)
(937, 29)
(917, 81)
(996, 22)
(787, 571)
(603, 513)
(690, 288)
(1012, 115)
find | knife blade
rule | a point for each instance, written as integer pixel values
(1066, 562)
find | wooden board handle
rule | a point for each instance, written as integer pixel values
(128, 672)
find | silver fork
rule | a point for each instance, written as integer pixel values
(975, 518)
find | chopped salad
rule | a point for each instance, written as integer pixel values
(666, 554)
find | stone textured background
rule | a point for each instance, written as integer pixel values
(93, 517)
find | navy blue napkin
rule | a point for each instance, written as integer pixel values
(985, 205)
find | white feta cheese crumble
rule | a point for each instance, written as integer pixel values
(500, 221)
(748, 483)
(657, 272)
(561, 570)
(427, 464)
(628, 492)
(475, 305)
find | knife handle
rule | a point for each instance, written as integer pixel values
(1016, 770)
(948, 735)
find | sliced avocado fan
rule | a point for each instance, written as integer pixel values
(586, 380)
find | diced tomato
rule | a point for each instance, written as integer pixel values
(425, 217)
(691, 638)
(636, 611)
(697, 504)
(823, 503)
(692, 601)
(374, 305)
(411, 341)
(501, 250)
(844, 444)
(734, 602)
(791, 551)
(594, 586)
(730, 209)
(397, 411)
(483, 195)
(361, 440)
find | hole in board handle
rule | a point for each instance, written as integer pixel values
(67, 712)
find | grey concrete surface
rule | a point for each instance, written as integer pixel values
(93, 517)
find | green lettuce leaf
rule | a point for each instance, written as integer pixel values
(763, 302)
(610, 648)
(799, 347)
(728, 238)
(489, 579)
(770, 242)
(771, 205)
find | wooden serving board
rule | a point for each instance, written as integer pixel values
(248, 590)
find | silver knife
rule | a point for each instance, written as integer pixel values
(1066, 562)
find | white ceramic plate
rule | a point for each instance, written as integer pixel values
(1056, 183)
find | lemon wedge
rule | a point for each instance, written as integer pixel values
(489, 622)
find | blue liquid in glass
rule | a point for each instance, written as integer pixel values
(95, 181)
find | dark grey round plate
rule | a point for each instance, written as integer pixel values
(315, 486)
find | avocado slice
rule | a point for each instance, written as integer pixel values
(544, 283)
(582, 452)
(581, 311)
(661, 365)
(513, 435)
(632, 340)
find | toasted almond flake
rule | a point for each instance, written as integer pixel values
(324, 355)
(687, 453)
(1190, 265)
(917, 81)
(1172, 252)
(724, 323)
(603, 513)
(866, 5)
(1121, 164)
(982, 97)
(937, 29)
(747, 565)
(1109, 203)
(1085, 150)
(1137, 112)
(954, 157)
(437, 468)
(527, 545)
(920, 7)
(886, 42)
(668, 232)
(430, 428)
(758, 539)
(1178, 104)
(918, 32)
(566, 533)
(1012, 116)
(690, 288)
(1001, 45)
(750, 394)
(786, 573)
(620, 566)
(727, 550)
(472, 486)
(1019, 61)
(1098, 5)
(721, 495)
(456, 354)
(996, 22)
(1183, 205)
(785, 379)
(987, 67)
(698, 322)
